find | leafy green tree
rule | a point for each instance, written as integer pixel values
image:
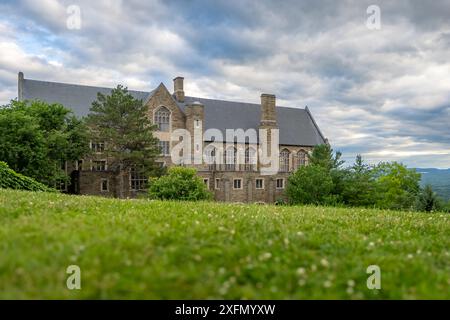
(396, 186)
(359, 184)
(179, 184)
(310, 184)
(122, 122)
(428, 201)
(36, 138)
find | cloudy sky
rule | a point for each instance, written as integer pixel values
(382, 92)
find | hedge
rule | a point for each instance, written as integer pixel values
(9, 179)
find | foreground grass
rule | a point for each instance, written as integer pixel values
(168, 250)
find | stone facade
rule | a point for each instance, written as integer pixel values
(221, 180)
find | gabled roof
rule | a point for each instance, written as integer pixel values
(297, 126)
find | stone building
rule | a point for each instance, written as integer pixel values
(228, 180)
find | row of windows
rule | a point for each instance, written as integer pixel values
(138, 182)
(230, 159)
(250, 159)
(238, 183)
(299, 159)
(99, 147)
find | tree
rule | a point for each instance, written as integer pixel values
(324, 156)
(359, 186)
(122, 123)
(310, 184)
(179, 184)
(396, 186)
(36, 138)
(427, 200)
(446, 207)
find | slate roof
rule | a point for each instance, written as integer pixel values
(297, 126)
(76, 97)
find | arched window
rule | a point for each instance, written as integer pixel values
(301, 158)
(162, 119)
(210, 153)
(230, 159)
(250, 159)
(284, 160)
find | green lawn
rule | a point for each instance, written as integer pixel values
(168, 250)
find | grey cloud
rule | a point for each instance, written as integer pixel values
(370, 91)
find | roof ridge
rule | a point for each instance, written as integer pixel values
(83, 85)
(232, 101)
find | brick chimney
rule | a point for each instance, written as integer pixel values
(178, 90)
(20, 86)
(268, 110)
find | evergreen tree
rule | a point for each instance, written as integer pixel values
(359, 184)
(324, 156)
(427, 200)
(122, 123)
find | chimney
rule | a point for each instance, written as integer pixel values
(20, 86)
(268, 111)
(178, 90)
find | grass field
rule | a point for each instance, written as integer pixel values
(143, 249)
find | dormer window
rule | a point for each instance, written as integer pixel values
(162, 119)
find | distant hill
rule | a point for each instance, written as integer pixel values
(439, 179)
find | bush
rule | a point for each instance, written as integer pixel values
(179, 184)
(9, 179)
(310, 185)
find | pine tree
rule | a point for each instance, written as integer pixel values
(428, 200)
(122, 122)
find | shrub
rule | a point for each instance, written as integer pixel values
(9, 179)
(310, 185)
(179, 184)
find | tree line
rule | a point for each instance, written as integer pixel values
(387, 185)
